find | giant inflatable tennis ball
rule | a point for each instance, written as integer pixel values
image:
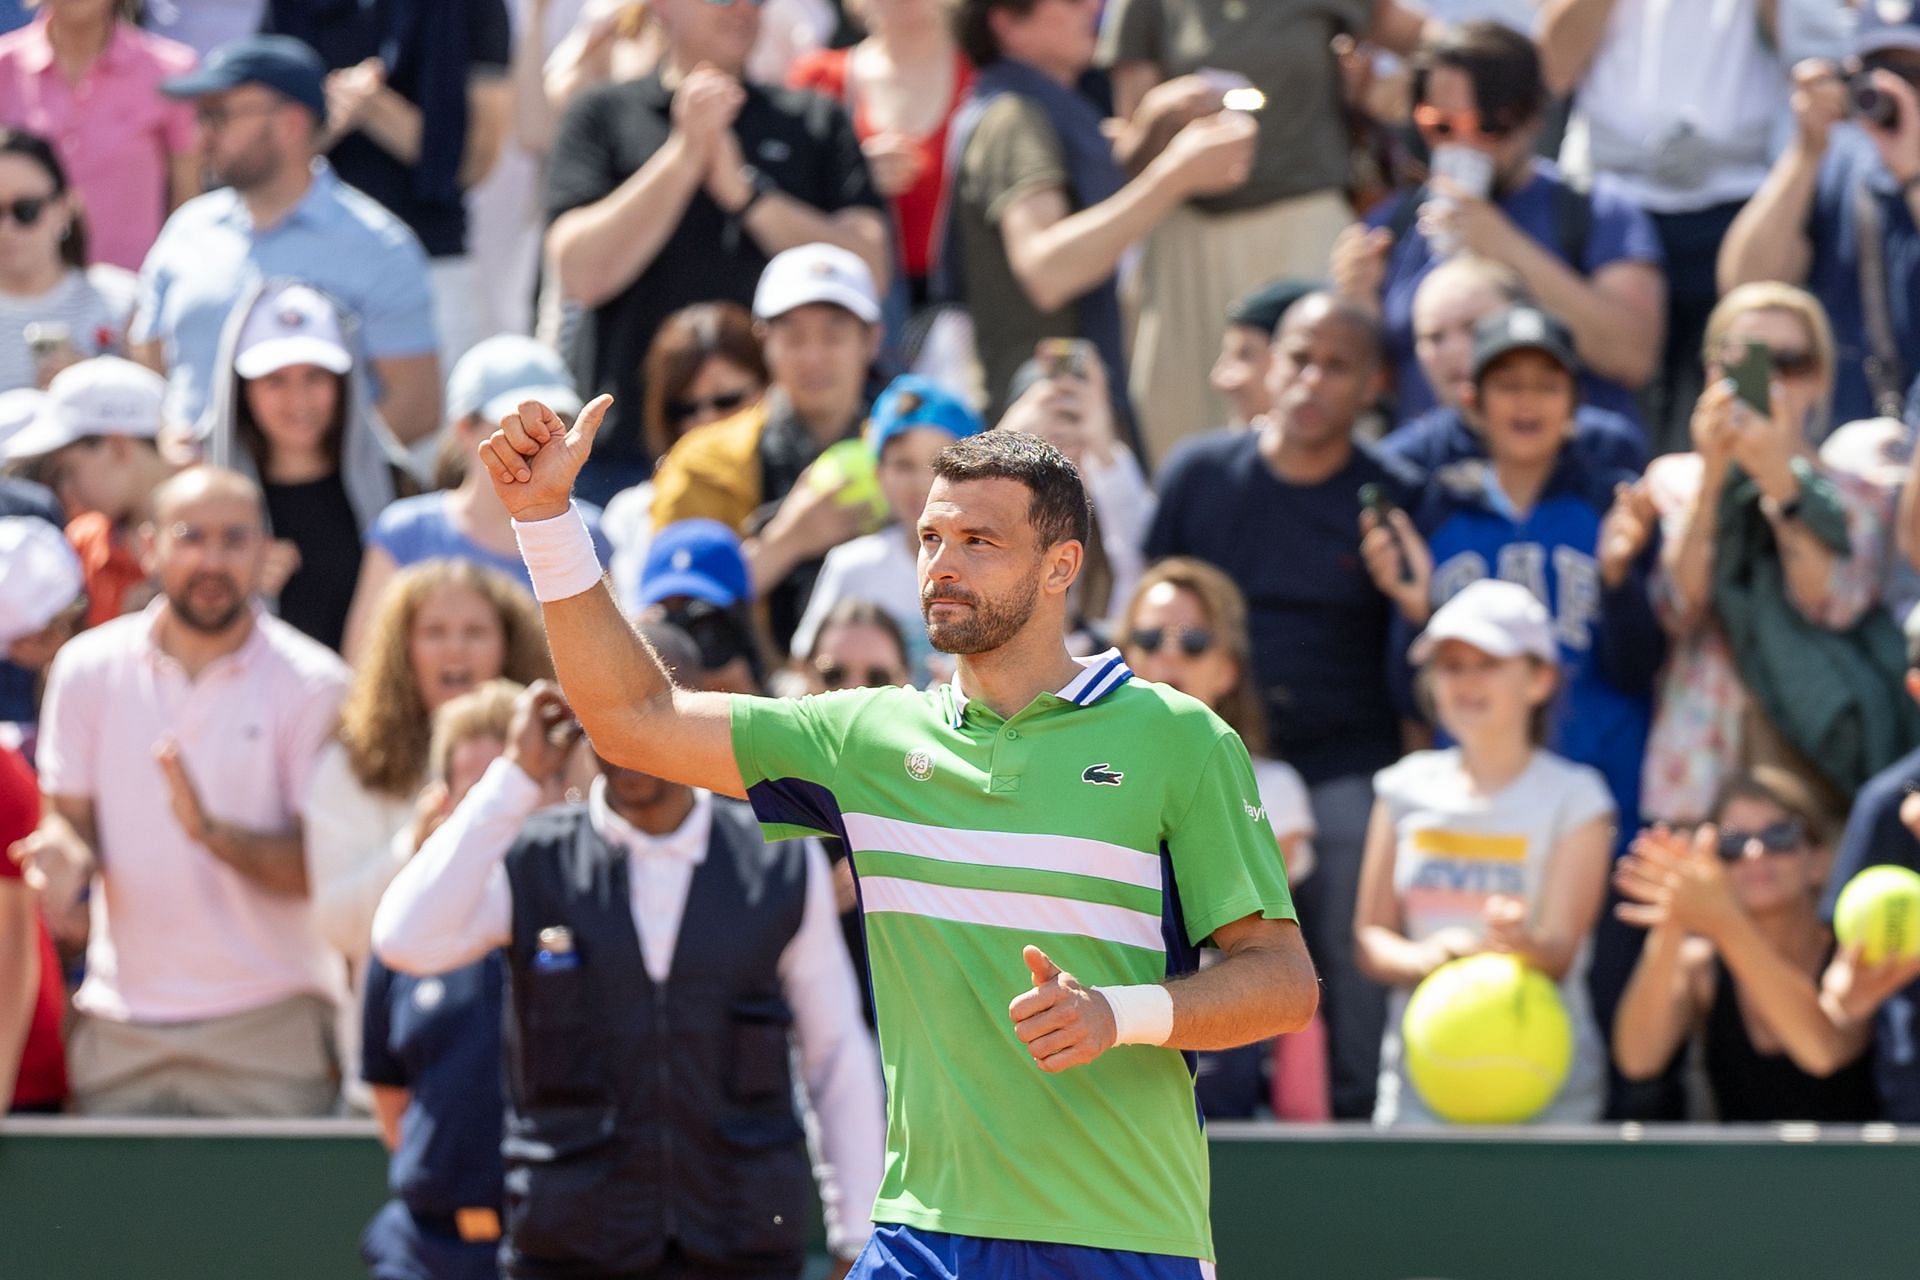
(1880, 910)
(1487, 1040)
(848, 471)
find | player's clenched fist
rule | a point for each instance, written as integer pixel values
(534, 456)
(1062, 1023)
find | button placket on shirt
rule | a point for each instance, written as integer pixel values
(1011, 751)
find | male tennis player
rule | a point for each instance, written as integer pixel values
(1043, 831)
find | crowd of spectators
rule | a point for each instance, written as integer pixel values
(1503, 416)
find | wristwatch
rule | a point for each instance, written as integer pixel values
(758, 184)
(1783, 511)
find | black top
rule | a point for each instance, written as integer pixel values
(439, 1039)
(800, 141)
(1319, 628)
(1763, 1087)
(431, 48)
(317, 518)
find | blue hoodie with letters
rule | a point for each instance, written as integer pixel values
(1611, 644)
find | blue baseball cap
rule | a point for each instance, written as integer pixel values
(697, 558)
(283, 64)
(1883, 25)
(497, 373)
(910, 401)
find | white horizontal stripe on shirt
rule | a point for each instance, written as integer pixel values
(1028, 912)
(1075, 855)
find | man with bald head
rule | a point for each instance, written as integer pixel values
(175, 749)
(1278, 508)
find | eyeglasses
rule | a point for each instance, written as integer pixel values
(1466, 125)
(725, 402)
(233, 537)
(1785, 364)
(835, 675)
(1784, 836)
(216, 118)
(1194, 641)
(1793, 364)
(26, 210)
(714, 630)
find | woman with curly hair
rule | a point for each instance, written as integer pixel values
(445, 627)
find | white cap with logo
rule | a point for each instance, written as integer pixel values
(812, 273)
(104, 396)
(294, 324)
(1502, 619)
(39, 576)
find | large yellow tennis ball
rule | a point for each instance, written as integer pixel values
(1880, 909)
(1487, 1040)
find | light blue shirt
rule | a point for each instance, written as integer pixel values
(337, 239)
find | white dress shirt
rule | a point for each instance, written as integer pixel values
(452, 904)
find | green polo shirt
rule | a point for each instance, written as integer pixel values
(1115, 825)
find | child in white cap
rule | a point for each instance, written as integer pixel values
(1492, 844)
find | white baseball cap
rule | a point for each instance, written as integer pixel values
(811, 273)
(18, 409)
(104, 396)
(39, 576)
(294, 324)
(497, 373)
(1503, 619)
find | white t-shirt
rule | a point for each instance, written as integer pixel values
(1665, 64)
(94, 304)
(1452, 851)
(881, 569)
(1284, 794)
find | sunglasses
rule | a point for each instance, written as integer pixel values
(1784, 836)
(1466, 125)
(836, 675)
(715, 632)
(725, 402)
(26, 210)
(1194, 641)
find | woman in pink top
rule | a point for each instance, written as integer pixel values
(902, 85)
(87, 79)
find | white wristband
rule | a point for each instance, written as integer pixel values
(559, 554)
(1142, 1014)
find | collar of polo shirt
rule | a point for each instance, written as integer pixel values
(1099, 676)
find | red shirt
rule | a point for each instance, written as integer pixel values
(43, 1064)
(109, 566)
(916, 210)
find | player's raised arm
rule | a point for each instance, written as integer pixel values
(622, 695)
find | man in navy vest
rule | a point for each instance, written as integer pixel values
(659, 952)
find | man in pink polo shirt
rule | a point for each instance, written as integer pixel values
(89, 82)
(175, 748)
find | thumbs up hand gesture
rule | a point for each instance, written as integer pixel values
(1062, 1023)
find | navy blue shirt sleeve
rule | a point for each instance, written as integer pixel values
(1622, 232)
(490, 36)
(378, 1063)
(1874, 832)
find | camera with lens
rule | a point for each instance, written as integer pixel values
(1869, 102)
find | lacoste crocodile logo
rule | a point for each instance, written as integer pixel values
(1102, 775)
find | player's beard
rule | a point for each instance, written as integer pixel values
(210, 621)
(985, 626)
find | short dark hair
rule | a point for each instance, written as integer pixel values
(38, 150)
(1509, 87)
(973, 31)
(1060, 508)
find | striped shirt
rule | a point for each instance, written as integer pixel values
(1115, 824)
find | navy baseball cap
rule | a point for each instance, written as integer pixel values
(1266, 306)
(697, 558)
(283, 64)
(910, 401)
(1522, 328)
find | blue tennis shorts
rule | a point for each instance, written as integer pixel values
(899, 1252)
